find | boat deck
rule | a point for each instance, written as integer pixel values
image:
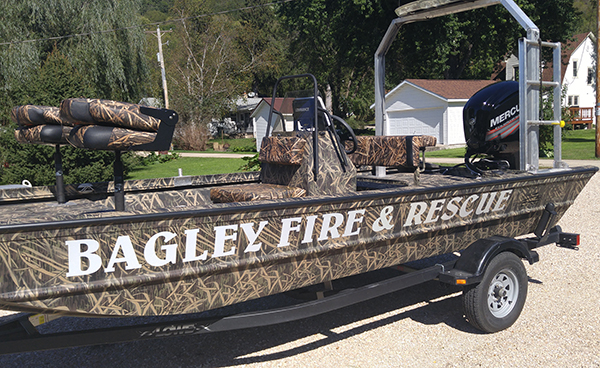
(37, 205)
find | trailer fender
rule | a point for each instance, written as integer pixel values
(471, 265)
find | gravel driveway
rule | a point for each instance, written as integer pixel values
(419, 327)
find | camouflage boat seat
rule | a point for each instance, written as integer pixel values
(284, 151)
(288, 171)
(118, 126)
(44, 125)
(254, 192)
(40, 125)
(393, 151)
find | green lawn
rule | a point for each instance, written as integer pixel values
(451, 152)
(577, 145)
(239, 145)
(189, 166)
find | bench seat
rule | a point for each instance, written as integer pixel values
(254, 192)
(393, 151)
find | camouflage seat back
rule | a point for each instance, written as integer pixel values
(282, 150)
(40, 125)
(390, 150)
(99, 137)
(332, 179)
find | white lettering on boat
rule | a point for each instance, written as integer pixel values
(161, 249)
(446, 209)
(226, 240)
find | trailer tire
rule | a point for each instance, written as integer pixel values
(496, 303)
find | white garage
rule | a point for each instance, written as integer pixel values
(430, 107)
(260, 116)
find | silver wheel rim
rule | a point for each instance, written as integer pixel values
(503, 293)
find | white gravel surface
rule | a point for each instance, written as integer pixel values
(419, 327)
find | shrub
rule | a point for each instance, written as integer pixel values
(191, 136)
(252, 163)
(248, 148)
(35, 162)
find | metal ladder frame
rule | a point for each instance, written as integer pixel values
(529, 66)
(530, 84)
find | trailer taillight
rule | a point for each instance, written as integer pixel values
(569, 240)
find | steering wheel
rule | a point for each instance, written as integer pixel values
(345, 133)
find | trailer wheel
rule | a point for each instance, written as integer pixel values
(496, 303)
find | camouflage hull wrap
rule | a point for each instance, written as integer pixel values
(198, 258)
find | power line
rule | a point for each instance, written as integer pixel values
(147, 25)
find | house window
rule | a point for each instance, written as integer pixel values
(515, 73)
(575, 68)
(590, 78)
(573, 101)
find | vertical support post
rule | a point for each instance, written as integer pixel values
(60, 183)
(381, 123)
(556, 62)
(597, 82)
(162, 68)
(533, 100)
(523, 149)
(119, 183)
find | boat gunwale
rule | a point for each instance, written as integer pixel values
(277, 205)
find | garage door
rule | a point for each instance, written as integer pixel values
(417, 122)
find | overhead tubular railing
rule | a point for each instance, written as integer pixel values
(528, 92)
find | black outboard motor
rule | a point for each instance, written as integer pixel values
(491, 125)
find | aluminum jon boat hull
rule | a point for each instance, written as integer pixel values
(180, 254)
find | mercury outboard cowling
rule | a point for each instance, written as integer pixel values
(491, 125)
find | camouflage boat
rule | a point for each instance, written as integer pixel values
(190, 244)
(326, 205)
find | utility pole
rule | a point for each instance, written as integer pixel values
(161, 60)
(598, 81)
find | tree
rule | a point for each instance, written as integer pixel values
(262, 43)
(113, 62)
(335, 40)
(203, 63)
(588, 12)
(469, 45)
(36, 70)
(57, 78)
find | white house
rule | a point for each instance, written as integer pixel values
(430, 107)
(260, 117)
(578, 76)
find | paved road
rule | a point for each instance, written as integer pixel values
(214, 155)
(439, 160)
(543, 162)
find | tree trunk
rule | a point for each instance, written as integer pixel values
(329, 99)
